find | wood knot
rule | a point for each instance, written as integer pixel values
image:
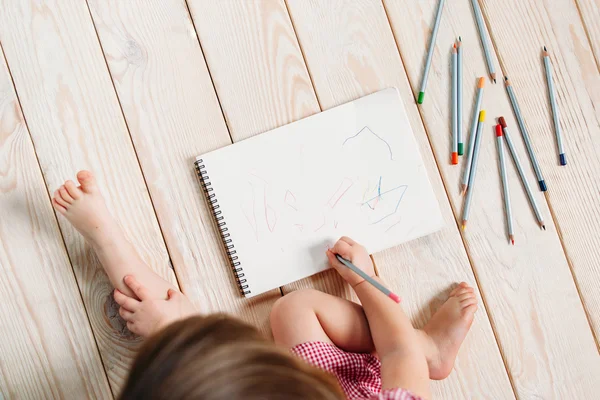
(114, 320)
(134, 53)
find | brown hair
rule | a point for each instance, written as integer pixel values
(218, 357)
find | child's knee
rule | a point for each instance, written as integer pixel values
(293, 308)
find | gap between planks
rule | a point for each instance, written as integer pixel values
(62, 238)
(112, 82)
(546, 194)
(461, 233)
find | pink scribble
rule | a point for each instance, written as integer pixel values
(256, 176)
(347, 181)
(319, 228)
(335, 224)
(393, 225)
(250, 222)
(291, 195)
(267, 209)
(300, 227)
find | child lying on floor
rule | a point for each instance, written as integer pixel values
(349, 351)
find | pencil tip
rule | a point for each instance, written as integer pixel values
(544, 227)
(494, 80)
(545, 48)
(464, 225)
(505, 78)
(513, 241)
(459, 39)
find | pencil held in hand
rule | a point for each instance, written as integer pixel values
(343, 257)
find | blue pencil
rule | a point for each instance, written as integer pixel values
(367, 278)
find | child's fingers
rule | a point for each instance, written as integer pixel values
(131, 327)
(125, 301)
(126, 315)
(348, 240)
(343, 249)
(140, 291)
(333, 261)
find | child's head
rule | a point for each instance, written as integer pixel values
(218, 358)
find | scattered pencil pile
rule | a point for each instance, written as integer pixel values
(503, 135)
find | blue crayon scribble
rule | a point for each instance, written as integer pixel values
(379, 188)
(374, 134)
(397, 204)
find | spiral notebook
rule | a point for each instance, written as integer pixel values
(281, 198)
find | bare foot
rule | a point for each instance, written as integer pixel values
(85, 208)
(448, 328)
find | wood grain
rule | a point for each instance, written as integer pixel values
(76, 123)
(572, 190)
(532, 300)
(173, 116)
(46, 342)
(589, 11)
(260, 78)
(350, 52)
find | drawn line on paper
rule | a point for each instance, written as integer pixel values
(393, 225)
(286, 201)
(319, 228)
(253, 225)
(335, 224)
(267, 209)
(374, 134)
(397, 206)
(337, 191)
(299, 226)
(379, 188)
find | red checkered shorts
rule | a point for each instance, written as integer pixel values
(359, 374)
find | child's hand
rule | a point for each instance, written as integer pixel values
(148, 315)
(356, 254)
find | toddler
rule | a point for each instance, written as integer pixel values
(325, 347)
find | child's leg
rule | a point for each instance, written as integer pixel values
(310, 315)
(86, 210)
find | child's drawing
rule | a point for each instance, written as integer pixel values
(369, 194)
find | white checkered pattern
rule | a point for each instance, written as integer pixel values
(359, 374)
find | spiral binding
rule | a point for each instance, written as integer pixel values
(213, 203)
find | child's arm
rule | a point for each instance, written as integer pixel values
(403, 363)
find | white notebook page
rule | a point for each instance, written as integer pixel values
(288, 194)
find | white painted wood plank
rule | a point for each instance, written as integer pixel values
(173, 116)
(350, 52)
(46, 343)
(533, 303)
(260, 78)
(573, 190)
(76, 123)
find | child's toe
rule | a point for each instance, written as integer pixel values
(87, 181)
(73, 190)
(65, 195)
(57, 199)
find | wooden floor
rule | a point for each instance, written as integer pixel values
(134, 90)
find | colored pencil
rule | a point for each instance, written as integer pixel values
(505, 192)
(515, 157)
(473, 135)
(467, 206)
(367, 278)
(454, 107)
(459, 96)
(436, 26)
(526, 139)
(551, 92)
(484, 40)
